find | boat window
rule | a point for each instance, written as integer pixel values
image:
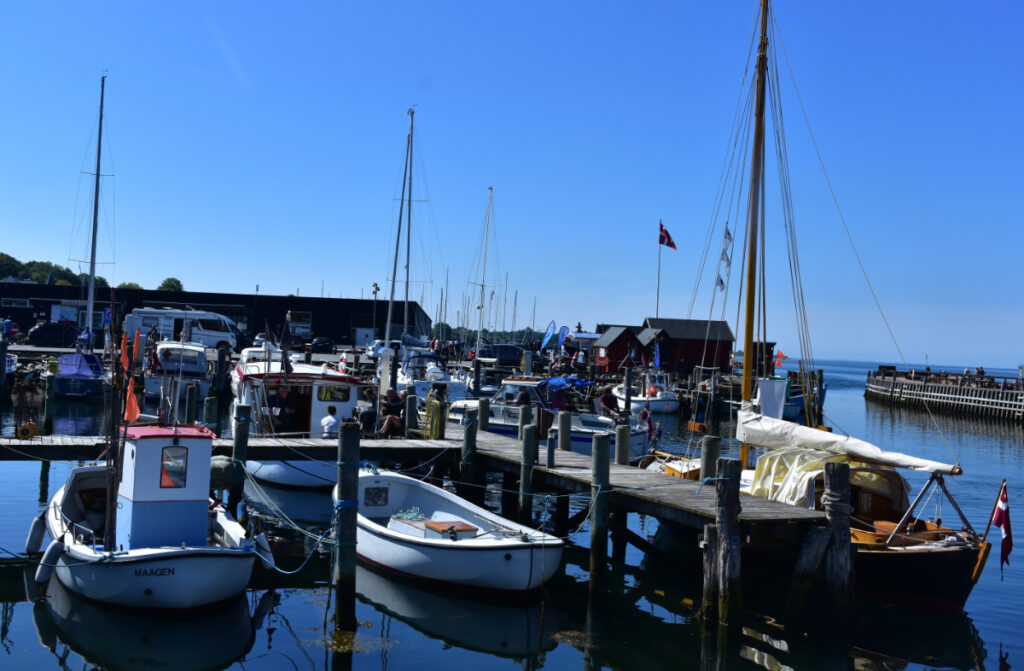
(339, 393)
(173, 466)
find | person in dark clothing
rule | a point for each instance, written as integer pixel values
(285, 411)
(391, 407)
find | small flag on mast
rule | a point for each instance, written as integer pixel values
(720, 283)
(1001, 519)
(664, 238)
(131, 406)
(727, 238)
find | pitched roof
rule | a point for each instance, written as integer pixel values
(611, 335)
(691, 329)
(647, 335)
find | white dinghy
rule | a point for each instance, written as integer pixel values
(418, 530)
(166, 547)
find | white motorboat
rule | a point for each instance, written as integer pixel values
(415, 529)
(164, 546)
(425, 372)
(290, 401)
(654, 389)
(504, 419)
(177, 363)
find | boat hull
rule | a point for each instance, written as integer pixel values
(939, 578)
(66, 387)
(302, 474)
(166, 578)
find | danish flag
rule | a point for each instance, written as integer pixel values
(1001, 519)
(645, 416)
(664, 238)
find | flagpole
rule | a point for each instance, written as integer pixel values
(999, 497)
(657, 300)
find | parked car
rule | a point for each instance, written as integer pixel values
(323, 345)
(53, 334)
(504, 355)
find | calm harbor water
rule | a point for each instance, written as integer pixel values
(646, 620)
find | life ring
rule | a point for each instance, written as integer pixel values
(27, 430)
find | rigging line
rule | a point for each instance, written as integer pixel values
(853, 247)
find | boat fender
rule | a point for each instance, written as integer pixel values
(263, 550)
(49, 561)
(35, 534)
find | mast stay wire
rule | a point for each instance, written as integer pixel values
(849, 237)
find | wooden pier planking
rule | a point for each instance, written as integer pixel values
(684, 502)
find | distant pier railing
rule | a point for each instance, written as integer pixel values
(975, 395)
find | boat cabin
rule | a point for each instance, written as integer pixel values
(163, 497)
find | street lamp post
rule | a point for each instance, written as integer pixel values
(376, 288)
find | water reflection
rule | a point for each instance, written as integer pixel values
(121, 639)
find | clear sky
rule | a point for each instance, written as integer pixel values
(262, 143)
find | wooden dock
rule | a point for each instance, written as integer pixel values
(949, 393)
(684, 502)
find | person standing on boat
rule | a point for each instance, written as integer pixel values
(285, 411)
(330, 422)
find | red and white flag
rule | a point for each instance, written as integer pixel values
(664, 238)
(645, 416)
(1001, 519)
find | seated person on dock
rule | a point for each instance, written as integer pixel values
(391, 408)
(610, 405)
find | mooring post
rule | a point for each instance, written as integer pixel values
(3, 362)
(411, 416)
(44, 482)
(467, 475)
(839, 556)
(191, 392)
(564, 430)
(210, 410)
(599, 485)
(508, 494)
(343, 574)
(484, 414)
(476, 378)
(529, 440)
(525, 418)
(221, 377)
(48, 406)
(623, 434)
(727, 519)
(709, 593)
(527, 362)
(627, 386)
(710, 448)
(239, 455)
(551, 445)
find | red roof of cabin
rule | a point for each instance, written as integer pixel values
(137, 431)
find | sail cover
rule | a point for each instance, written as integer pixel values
(755, 429)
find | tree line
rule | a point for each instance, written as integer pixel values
(44, 272)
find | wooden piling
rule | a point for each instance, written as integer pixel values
(622, 440)
(411, 412)
(564, 430)
(599, 486)
(525, 418)
(727, 513)
(508, 495)
(529, 440)
(221, 376)
(476, 378)
(191, 393)
(239, 455)
(839, 556)
(210, 410)
(551, 445)
(709, 593)
(484, 415)
(468, 479)
(343, 573)
(710, 448)
(48, 403)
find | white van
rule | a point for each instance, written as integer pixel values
(208, 328)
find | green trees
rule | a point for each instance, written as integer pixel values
(171, 284)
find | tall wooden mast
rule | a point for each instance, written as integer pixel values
(754, 207)
(95, 219)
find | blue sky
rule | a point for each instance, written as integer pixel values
(258, 143)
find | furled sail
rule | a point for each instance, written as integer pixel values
(755, 429)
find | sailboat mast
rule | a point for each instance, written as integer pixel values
(483, 268)
(95, 218)
(753, 207)
(408, 230)
(398, 239)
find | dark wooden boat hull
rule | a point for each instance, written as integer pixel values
(937, 577)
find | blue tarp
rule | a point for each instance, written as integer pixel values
(571, 382)
(80, 366)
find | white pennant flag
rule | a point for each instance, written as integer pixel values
(725, 257)
(727, 238)
(719, 284)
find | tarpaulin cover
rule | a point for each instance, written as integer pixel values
(80, 366)
(571, 382)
